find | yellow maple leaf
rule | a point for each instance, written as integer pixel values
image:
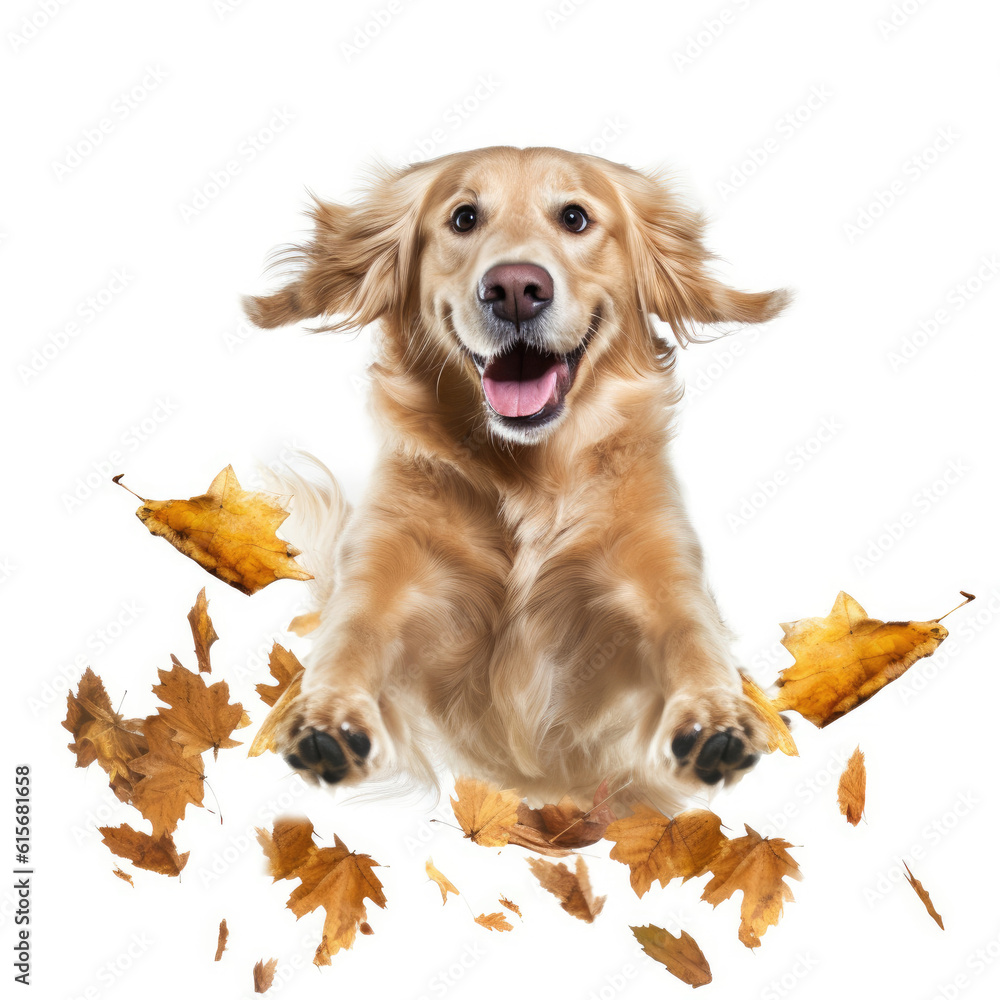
(659, 848)
(845, 658)
(228, 531)
(757, 866)
(485, 812)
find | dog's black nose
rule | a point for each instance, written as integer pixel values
(517, 291)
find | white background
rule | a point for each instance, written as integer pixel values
(167, 374)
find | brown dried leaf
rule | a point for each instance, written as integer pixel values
(331, 877)
(228, 531)
(558, 830)
(442, 882)
(203, 631)
(851, 789)
(494, 922)
(172, 780)
(756, 866)
(101, 734)
(302, 625)
(365, 928)
(572, 890)
(681, 955)
(660, 849)
(223, 938)
(267, 735)
(486, 813)
(845, 658)
(285, 667)
(513, 907)
(778, 735)
(154, 854)
(200, 715)
(924, 896)
(263, 975)
(124, 876)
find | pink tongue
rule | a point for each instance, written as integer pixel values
(515, 387)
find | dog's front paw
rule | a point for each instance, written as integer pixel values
(713, 736)
(329, 741)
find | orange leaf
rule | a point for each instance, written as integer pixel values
(851, 789)
(657, 848)
(572, 890)
(285, 667)
(494, 922)
(223, 938)
(331, 877)
(486, 813)
(924, 896)
(200, 716)
(442, 882)
(172, 780)
(263, 975)
(681, 955)
(845, 658)
(203, 631)
(228, 531)
(267, 735)
(124, 876)
(513, 907)
(304, 624)
(154, 854)
(756, 866)
(559, 829)
(101, 734)
(778, 735)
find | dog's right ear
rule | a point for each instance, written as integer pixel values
(358, 263)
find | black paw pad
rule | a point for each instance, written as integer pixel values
(328, 756)
(684, 742)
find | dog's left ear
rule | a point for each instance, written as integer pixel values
(664, 240)
(357, 265)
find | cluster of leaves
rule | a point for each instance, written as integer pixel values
(155, 763)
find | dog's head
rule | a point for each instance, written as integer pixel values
(521, 267)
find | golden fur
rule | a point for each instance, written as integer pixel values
(525, 606)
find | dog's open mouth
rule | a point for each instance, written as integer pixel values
(524, 384)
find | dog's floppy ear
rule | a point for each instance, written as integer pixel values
(664, 239)
(357, 264)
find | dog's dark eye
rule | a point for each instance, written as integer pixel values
(574, 218)
(463, 218)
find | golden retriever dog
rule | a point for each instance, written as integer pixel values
(520, 596)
